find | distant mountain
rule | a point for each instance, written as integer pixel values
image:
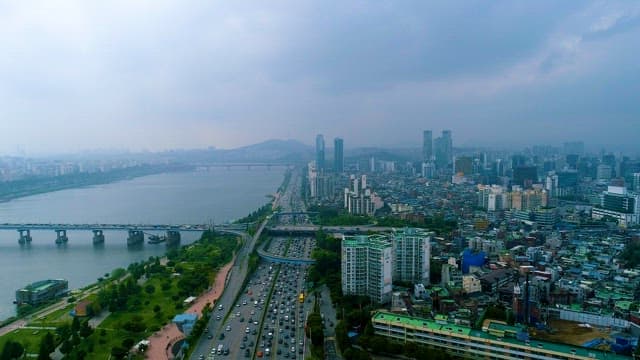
(270, 150)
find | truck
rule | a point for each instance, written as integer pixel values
(220, 348)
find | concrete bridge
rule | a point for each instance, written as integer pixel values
(312, 229)
(136, 231)
(248, 166)
(283, 260)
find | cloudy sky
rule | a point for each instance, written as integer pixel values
(159, 74)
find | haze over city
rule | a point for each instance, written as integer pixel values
(159, 75)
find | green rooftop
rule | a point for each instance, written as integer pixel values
(419, 322)
(557, 347)
(371, 241)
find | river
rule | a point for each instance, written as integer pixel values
(199, 197)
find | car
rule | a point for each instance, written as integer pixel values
(228, 328)
(247, 330)
(221, 337)
(209, 336)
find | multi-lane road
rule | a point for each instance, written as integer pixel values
(265, 318)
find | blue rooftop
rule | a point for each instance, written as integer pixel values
(186, 317)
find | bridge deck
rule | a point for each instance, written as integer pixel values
(148, 227)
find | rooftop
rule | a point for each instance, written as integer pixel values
(405, 320)
(372, 241)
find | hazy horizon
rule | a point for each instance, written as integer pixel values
(159, 75)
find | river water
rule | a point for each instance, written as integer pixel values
(200, 197)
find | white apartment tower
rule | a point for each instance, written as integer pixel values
(411, 255)
(367, 267)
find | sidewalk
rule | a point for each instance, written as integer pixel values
(161, 342)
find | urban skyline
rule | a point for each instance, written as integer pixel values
(194, 75)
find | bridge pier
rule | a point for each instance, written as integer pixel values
(25, 236)
(173, 238)
(61, 236)
(136, 237)
(98, 236)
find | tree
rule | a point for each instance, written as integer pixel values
(85, 329)
(47, 346)
(64, 331)
(66, 347)
(75, 324)
(379, 344)
(12, 350)
(118, 352)
(128, 343)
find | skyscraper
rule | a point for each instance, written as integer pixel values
(444, 149)
(320, 153)
(338, 155)
(427, 145)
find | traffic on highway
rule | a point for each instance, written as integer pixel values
(267, 318)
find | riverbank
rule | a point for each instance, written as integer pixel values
(11, 190)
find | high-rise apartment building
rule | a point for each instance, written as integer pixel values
(359, 199)
(464, 165)
(411, 255)
(443, 148)
(427, 145)
(338, 155)
(603, 172)
(574, 148)
(320, 153)
(367, 267)
(525, 176)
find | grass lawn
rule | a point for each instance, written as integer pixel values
(29, 338)
(153, 310)
(55, 318)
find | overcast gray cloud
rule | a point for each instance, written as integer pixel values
(162, 74)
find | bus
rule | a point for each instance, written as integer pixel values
(301, 298)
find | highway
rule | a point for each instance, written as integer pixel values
(233, 285)
(267, 320)
(225, 326)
